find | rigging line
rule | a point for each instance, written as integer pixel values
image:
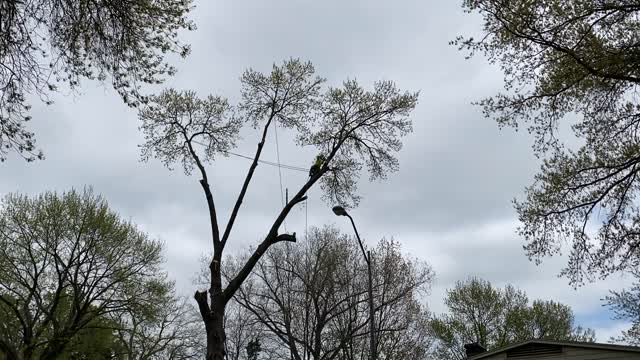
(275, 131)
(288, 167)
(284, 166)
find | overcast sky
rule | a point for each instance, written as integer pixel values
(450, 203)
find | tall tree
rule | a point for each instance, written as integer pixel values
(349, 126)
(45, 43)
(312, 300)
(65, 261)
(626, 306)
(578, 62)
(493, 318)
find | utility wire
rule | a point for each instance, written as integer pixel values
(284, 166)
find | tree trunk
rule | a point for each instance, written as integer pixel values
(215, 330)
(372, 326)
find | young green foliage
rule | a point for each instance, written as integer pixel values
(494, 318)
(359, 128)
(65, 261)
(175, 120)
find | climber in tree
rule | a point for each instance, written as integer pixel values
(317, 164)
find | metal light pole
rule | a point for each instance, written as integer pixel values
(340, 211)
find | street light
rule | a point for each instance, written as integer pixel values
(340, 211)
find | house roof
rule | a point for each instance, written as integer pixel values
(562, 343)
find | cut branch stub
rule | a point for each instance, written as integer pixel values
(286, 237)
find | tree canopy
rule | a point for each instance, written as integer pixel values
(46, 43)
(69, 265)
(493, 317)
(577, 62)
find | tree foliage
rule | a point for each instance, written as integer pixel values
(578, 60)
(68, 263)
(626, 306)
(46, 43)
(352, 127)
(493, 318)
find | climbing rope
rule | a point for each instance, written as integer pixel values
(306, 218)
(275, 131)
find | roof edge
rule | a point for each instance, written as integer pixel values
(590, 345)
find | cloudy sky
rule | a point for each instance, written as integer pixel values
(450, 203)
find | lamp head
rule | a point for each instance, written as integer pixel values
(339, 211)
